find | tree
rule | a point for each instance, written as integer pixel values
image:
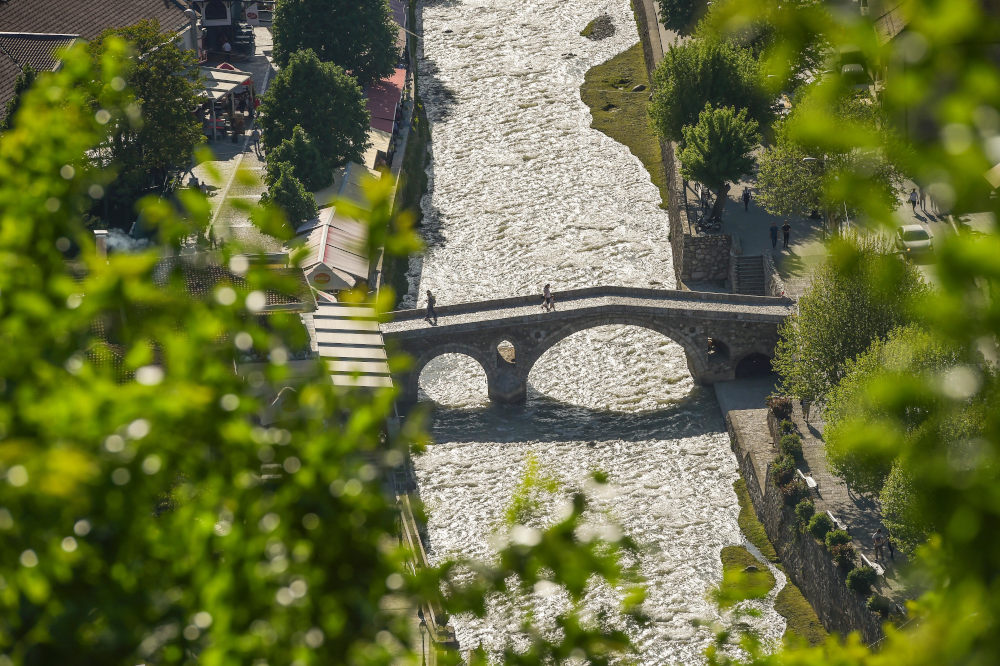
(290, 195)
(718, 150)
(135, 526)
(860, 293)
(325, 102)
(359, 36)
(303, 156)
(164, 80)
(789, 179)
(679, 14)
(23, 81)
(698, 73)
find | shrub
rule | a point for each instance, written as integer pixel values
(794, 491)
(879, 604)
(790, 445)
(780, 406)
(819, 525)
(837, 538)
(804, 510)
(305, 159)
(783, 469)
(861, 579)
(843, 555)
(290, 195)
(786, 427)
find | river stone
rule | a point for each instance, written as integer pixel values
(750, 569)
(639, 88)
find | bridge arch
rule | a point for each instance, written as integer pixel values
(411, 383)
(693, 340)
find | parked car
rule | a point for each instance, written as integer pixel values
(913, 239)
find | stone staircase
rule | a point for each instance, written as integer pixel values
(749, 275)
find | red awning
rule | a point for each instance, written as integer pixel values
(383, 99)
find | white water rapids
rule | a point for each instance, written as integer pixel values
(523, 192)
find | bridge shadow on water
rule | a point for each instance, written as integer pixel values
(544, 419)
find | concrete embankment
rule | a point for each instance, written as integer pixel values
(806, 562)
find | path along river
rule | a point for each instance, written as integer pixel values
(523, 192)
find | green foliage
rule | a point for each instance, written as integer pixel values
(698, 73)
(819, 525)
(136, 527)
(836, 538)
(904, 513)
(751, 527)
(324, 101)
(165, 82)
(791, 445)
(783, 469)
(22, 82)
(678, 15)
(804, 511)
(940, 91)
(526, 501)
(789, 183)
(794, 491)
(860, 293)
(803, 627)
(786, 427)
(305, 159)
(743, 577)
(717, 150)
(358, 36)
(290, 195)
(861, 579)
(879, 604)
(780, 406)
(843, 555)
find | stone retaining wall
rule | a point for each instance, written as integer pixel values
(806, 562)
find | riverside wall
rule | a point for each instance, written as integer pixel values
(806, 561)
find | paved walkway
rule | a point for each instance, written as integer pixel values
(225, 188)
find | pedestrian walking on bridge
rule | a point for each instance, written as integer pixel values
(431, 317)
(548, 301)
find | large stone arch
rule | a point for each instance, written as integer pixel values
(695, 349)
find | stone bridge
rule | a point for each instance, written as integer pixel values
(723, 335)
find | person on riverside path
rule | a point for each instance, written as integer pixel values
(785, 230)
(255, 141)
(878, 541)
(746, 199)
(548, 302)
(431, 317)
(774, 234)
(913, 199)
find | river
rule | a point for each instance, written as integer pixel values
(522, 192)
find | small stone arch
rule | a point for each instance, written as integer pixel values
(411, 385)
(754, 364)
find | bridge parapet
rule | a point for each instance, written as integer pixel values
(717, 331)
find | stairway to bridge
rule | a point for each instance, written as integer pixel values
(749, 275)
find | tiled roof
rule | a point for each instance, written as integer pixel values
(87, 18)
(20, 49)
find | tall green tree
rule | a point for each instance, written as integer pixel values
(325, 102)
(697, 73)
(360, 36)
(23, 81)
(679, 15)
(860, 293)
(718, 150)
(289, 194)
(165, 82)
(789, 179)
(304, 157)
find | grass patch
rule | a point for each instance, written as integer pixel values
(743, 577)
(803, 625)
(621, 113)
(752, 528)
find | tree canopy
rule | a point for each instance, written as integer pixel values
(289, 194)
(718, 150)
(325, 102)
(697, 73)
(304, 157)
(359, 36)
(679, 15)
(164, 80)
(860, 293)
